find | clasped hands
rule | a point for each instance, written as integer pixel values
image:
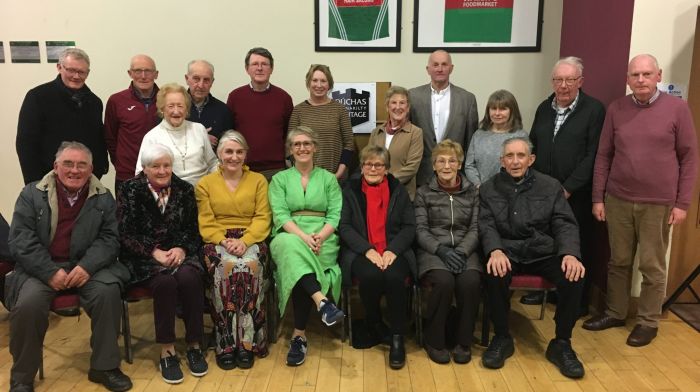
(234, 246)
(63, 280)
(172, 258)
(453, 258)
(314, 241)
(499, 265)
(382, 261)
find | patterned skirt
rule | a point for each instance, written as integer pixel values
(236, 296)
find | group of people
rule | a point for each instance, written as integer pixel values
(203, 210)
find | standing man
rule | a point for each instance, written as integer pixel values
(442, 110)
(642, 184)
(565, 137)
(261, 113)
(63, 109)
(206, 109)
(129, 115)
(64, 237)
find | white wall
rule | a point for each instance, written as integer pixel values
(177, 31)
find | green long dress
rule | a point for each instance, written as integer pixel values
(291, 255)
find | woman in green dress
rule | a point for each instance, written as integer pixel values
(306, 203)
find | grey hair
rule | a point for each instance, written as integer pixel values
(75, 53)
(153, 152)
(301, 130)
(231, 136)
(571, 60)
(205, 62)
(374, 151)
(394, 90)
(73, 145)
(523, 139)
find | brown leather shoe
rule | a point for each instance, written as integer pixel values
(641, 335)
(601, 322)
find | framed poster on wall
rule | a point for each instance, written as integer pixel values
(357, 25)
(477, 25)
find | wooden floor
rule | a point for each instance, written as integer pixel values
(670, 363)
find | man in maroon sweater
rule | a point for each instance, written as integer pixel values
(261, 113)
(643, 180)
(129, 115)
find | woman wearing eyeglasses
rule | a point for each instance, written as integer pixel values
(448, 261)
(328, 119)
(305, 201)
(501, 122)
(377, 228)
(403, 139)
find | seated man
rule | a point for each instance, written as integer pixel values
(526, 225)
(64, 237)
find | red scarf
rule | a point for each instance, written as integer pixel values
(377, 205)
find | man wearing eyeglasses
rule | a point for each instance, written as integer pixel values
(206, 109)
(129, 115)
(565, 136)
(63, 238)
(62, 109)
(261, 113)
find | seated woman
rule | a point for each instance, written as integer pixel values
(306, 202)
(188, 140)
(501, 122)
(377, 227)
(234, 221)
(403, 139)
(160, 244)
(446, 218)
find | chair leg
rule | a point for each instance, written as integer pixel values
(349, 315)
(544, 303)
(41, 365)
(485, 323)
(126, 331)
(419, 314)
(271, 305)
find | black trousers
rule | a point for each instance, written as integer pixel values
(301, 299)
(567, 306)
(391, 283)
(581, 205)
(465, 287)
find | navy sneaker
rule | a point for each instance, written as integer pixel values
(297, 351)
(196, 362)
(330, 314)
(170, 369)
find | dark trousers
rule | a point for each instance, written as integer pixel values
(29, 320)
(465, 287)
(581, 204)
(567, 305)
(301, 299)
(392, 283)
(185, 287)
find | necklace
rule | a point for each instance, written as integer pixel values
(183, 155)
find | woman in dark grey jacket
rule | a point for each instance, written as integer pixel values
(377, 227)
(446, 212)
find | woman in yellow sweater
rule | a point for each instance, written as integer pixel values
(234, 221)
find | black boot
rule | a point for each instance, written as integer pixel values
(397, 352)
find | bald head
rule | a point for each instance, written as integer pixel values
(643, 74)
(143, 73)
(439, 68)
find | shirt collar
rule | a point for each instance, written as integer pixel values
(571, 107)
(653, 98)
(441, 92)
(266, 87)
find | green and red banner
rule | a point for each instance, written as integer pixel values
(478, 21)
(358, 20)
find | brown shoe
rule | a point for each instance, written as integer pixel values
(601, 322)
(641, 335)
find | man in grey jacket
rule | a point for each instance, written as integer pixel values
(64, 237)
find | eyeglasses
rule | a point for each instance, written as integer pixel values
(73, 71)
(143, 71)
(375, 165)
(263, 64)
(450, 162)
(299, 145)
(567, 81)
(69, 165)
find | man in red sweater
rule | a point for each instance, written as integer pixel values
(129, 115)
(643, 180)
(261, 113)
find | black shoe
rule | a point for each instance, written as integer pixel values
(297, 351)
(397, 352)
(560, 353)
(68, 312)
(170, 369)
(601, 322)
(462, 354)
(500, 348)
(330, 314)
(114, 380)
(226, 361)
(17, 387)
(437, 356)
(534, 298)
(196, 362)
(245, 359)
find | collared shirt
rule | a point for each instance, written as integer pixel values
(201, 106)
(440, 110)
(71, 197)
(562, 113)
(147, 101)
(651, 100)
(253, 88)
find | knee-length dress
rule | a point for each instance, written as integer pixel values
(293, 258)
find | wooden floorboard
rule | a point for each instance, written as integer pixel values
(670, 363)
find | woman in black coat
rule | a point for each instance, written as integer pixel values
(377, 226)
(160, 244)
